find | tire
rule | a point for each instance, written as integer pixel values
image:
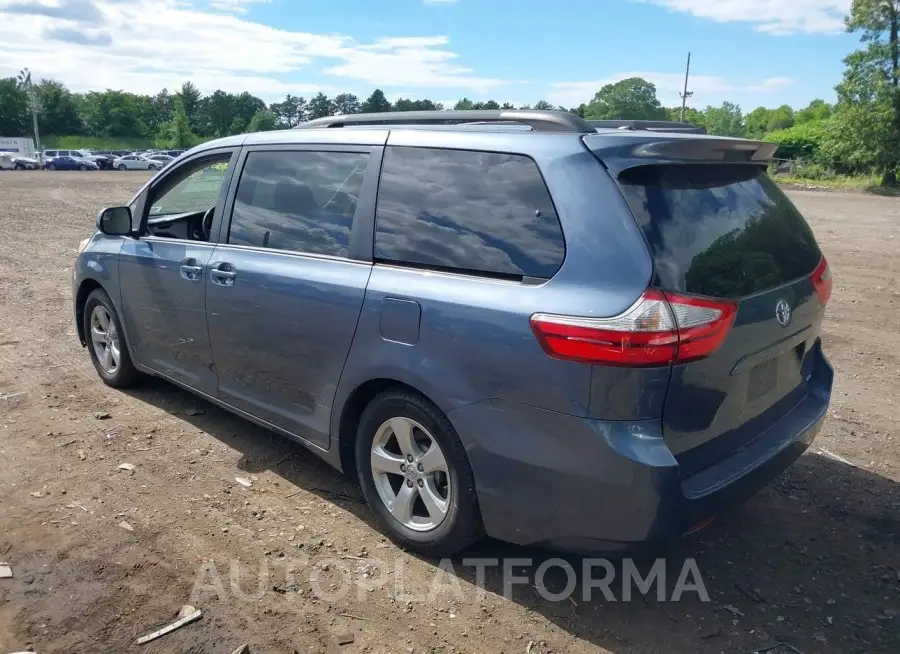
(124, 374)
(461, 524)
(151, 167)
(123, 167)
(19, 167)
(51, 166)
(82, 167)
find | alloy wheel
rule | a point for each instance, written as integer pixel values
(410, 474)
(105, 339)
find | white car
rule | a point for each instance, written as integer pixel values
(137, 162)
(163, 159)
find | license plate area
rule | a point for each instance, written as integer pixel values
(763, 379)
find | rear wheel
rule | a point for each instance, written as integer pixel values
(106, 342)
(123, 167)
(19, 167)
(416, 476)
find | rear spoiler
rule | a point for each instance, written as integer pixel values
(621, 150)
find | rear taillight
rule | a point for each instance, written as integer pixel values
(821, 279)
(659, 329)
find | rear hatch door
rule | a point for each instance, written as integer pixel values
(725, 230)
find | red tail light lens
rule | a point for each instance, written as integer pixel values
(821, 279)
(659, 329)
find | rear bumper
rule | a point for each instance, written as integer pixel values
(589, 486)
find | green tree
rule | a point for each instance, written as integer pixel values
(114, 114)
(15, 119)
(780, 118)
(263, 121)
(630, 99)
(867, 124)
(290, 112)
(58, 113)
(464, 105)
(756, 123)
(725, 120)
(816, 110)
(190, 99)
(375, 103)
(320, 106)
(543, 105)
(691, 115)
(346, 103)
(246, 106)
(802, 141)
(214, 114)
(508, 106)
(179, 128)
(163, 106)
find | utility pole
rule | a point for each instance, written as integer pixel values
(25, 76)
(686, 94)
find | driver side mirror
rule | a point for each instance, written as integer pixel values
(114, 221)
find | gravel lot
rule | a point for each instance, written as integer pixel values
(813, 561)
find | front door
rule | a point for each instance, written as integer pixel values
(283, 291)
(162, 273)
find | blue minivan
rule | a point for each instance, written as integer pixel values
(510, 323)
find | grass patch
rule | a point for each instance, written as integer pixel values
(858, 183)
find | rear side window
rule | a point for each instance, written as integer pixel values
(298, 201)
(720, 231)
(477, 212)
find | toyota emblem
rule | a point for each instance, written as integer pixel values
(783, 313)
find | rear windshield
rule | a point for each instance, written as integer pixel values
(720, 231)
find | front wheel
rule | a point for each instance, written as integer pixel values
(151, 167)
(51, 166)
(82, 167)
(106, 342)
(19, 167)
(416, 476)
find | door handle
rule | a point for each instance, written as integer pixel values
(223, 274)
(190, 270)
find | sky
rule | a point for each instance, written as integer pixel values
(752, 52)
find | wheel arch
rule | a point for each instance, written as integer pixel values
(352, 410)
(87, 287)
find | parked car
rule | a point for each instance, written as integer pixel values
(21, 162)
(102, 159)
(574, 337)
(70, 163)
(163, 159)
(136, 162)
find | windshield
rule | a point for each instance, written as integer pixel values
(719, 230)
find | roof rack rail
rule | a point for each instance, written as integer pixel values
(648, 125)
(540, 121)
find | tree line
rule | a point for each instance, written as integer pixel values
(860, 133)
(187, 115)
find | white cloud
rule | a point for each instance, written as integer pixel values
(778, 17)
(145, 45)
(239, 6)
(707, 89)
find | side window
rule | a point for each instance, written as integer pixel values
(50, 153)
(192, 188)
(299, 201)
(479, 212)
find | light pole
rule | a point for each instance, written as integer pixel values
(686, 94)
(25, 76)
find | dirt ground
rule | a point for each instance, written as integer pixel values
(813, 561)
